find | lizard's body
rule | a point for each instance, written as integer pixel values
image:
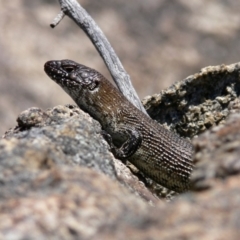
(157, 152)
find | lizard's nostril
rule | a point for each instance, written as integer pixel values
(49, 64)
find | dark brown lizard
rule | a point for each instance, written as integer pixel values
(160, 154)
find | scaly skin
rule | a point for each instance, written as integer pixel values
(162, 155)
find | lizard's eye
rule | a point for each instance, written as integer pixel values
(68, 69)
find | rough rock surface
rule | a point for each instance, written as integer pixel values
(77, 139)
(217, 154)
(197, 103)
(52, 168)
(66, 135)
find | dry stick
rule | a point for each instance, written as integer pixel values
(73, 9)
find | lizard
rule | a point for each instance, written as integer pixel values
(159, 153)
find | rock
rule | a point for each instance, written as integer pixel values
(217, 154)
(59, 180)
(197, 103)
(63, 203)
(67, 135)
(65, 131)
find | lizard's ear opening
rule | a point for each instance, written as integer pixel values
(94, 84)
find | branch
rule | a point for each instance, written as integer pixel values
(79, 15)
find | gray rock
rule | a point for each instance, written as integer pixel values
(217, 154)
(197, 103)
(67, 135)
(68, 131)
(52, 168)
(65, 203)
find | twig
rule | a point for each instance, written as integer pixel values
(57, 19)
(73, 9)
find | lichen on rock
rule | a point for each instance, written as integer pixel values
(197, 103)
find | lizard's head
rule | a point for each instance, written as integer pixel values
(87, 87)
(74, 78)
